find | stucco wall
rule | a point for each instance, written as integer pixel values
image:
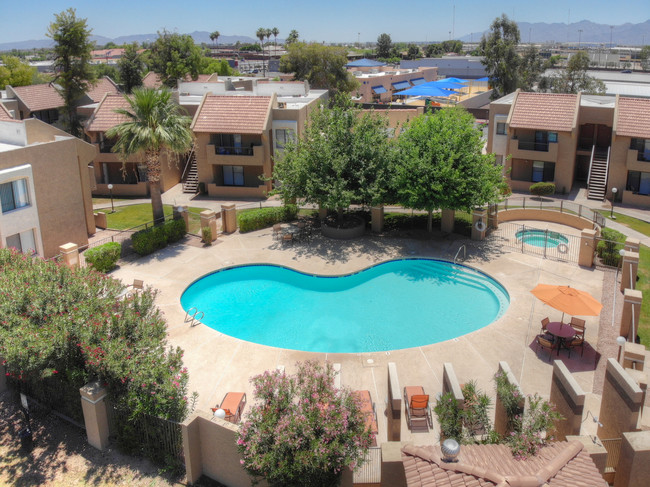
(546, 216)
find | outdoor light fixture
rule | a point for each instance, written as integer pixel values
(110, 190)
(621, 343)
(220, 413)
(595, 418)
(611, 213)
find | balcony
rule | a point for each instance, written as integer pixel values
(637, 160)
(235, 156)
(532, 145)
(537, 151)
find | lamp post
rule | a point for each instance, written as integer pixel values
(611, 213)
(620, 341)
(110, 190)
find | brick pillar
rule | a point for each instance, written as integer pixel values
(493, 217)
(632, 244)
(633, 469)
(479, 217)
(394, 411)
(322, 213)
(569, 400)
(500, 416)
(95, 414)
(182, 212)
(587, 248)
(629, 270)
(632, 300)
(209, 219)
(228, 218)
(377, 218)
(447, 221)
(191, 431)
(633, 356)
(100, 220)
(620, 404)
(70, 254)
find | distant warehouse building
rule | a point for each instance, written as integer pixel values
(466, 67)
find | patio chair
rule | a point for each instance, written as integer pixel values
(131, 289)
(417, 407)
(546, 344)
(287, 238)
(545, 332)
(233, 404)
(577, 341)
(579, 326)
(277, 231)
(368, 409)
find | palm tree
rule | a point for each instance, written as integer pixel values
(261, 34)
(268, 36)
(292, 37)
(275, 31)
(214, 37)
(154, 125)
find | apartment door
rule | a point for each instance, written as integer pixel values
(587, 132)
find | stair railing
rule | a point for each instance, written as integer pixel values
(607, 167)
(591, 163)
(188, 163)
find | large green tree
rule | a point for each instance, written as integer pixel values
(500, 58)
(292, 37)
(384, 45)
(441, 164)
(644, 58)
(531, 68)
(343, 157)
(131, 68)
(174, 56)
(574, 79)
(15, 72)
(322, 66)
(74, 74)
(154, 125)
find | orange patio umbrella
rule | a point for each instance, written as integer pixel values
(568, 300)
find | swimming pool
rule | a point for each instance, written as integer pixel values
(542, 238)
(393, 305)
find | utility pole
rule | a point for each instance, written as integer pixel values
(453, 23)
(530, 30)
(611, 33)
(579, 38)
(358, 39)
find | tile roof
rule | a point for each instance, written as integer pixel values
(233, 114)
(39, 97)
(633, 117)
(559, 464)
(151, 80)
(544, 111)
(104, 116)
(4, 113)
(104, 85)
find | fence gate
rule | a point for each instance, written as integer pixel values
(544, 243)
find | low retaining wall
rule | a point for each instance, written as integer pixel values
(548, 216)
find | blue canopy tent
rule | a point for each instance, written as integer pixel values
(447, 84)
(427, 90)
(364, 63)
(483, 80)
(455, 80)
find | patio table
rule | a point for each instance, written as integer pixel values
(561, 331)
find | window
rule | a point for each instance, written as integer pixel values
(14, 195)
(282, 136)
(23, 242)
(552, 137)
(501, 128)
(643, 148)
(543, 171)
(638, 182)
(233, 175)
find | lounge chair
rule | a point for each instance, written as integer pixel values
(577, 341)
(417, 407)
(368, 409)
(546, 344)
(131, 289)
(579, 326)
(233, 404)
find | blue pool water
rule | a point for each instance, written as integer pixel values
(541, 238)
(397, 304)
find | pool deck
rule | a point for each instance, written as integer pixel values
(218, 363)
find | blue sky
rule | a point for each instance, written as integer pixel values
(332, 21)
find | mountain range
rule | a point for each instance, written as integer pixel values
(539, 32)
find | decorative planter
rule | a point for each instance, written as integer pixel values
(344, 233)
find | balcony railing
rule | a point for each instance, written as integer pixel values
(233, 151)
(105, 147)
(532, 145)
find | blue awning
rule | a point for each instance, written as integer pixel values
(418, 81)
(401, 85)
(364, 63)
(379, 89)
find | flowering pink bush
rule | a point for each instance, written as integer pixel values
(534, 428)
(302, 431)
(67, 327)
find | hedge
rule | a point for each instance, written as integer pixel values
(542, 189)
(151, 239)
(608, 248)
(251, 220)
(104, 257)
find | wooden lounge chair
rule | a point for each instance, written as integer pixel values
(546, 344)
(233, 404)
(417, 407)
(368, 409)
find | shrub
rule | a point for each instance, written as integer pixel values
(104, 257)
(542, 189)
(250, 220)
(206, 232)
(449, 417)
(175, 230)
(302, 430)
(609, 245)
(534, 428)
(149, 240)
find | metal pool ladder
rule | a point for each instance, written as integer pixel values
(464, 249)
(194, 316)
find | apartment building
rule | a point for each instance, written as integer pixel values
(128, 177)
(602, 142)
(36, 101)
(380, 84)
(44, 187)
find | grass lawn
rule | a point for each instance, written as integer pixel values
(107, 201)
(126, 217)
(634, 223)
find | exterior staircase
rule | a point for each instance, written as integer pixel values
(191, 183)
(598, 172)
